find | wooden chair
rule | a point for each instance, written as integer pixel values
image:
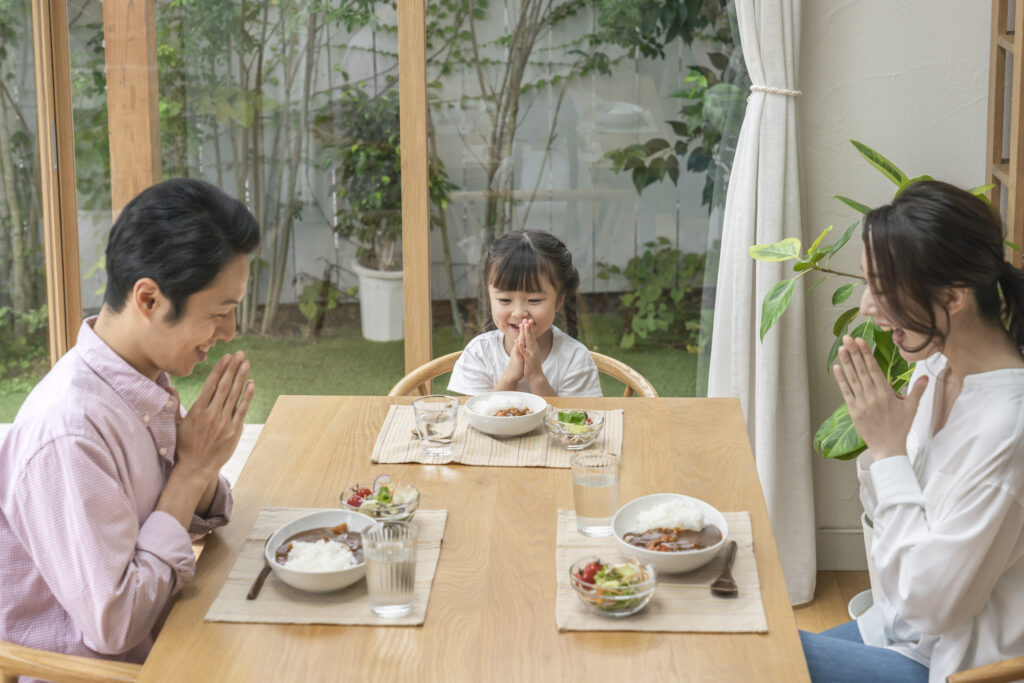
(415, 382)
(1001, 672)
(18, 660)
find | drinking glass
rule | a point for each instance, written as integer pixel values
(390, 552)
(436, 417)
(595, 491)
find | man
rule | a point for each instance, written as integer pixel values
(103, 476)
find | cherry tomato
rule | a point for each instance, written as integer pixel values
(355, 501)
(587, 573)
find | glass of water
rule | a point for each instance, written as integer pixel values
(595, 491)
(436, 417)
(390, 551)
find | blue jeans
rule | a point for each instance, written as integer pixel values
(838, 655)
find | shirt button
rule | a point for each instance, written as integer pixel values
(163, 451)
(145, 418)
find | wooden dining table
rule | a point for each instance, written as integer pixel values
(491, 613)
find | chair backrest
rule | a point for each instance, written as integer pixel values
(18, 660)
(634, 381)
(415, 381)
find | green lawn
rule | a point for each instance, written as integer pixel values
(342, 362)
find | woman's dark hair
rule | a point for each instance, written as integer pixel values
(181, 233)
(518, 260)
(933, 236)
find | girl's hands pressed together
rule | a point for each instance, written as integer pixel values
(882, 417)
(514, 370)
(529, 349)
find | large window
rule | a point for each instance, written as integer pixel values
(23, 314)
(610, 125)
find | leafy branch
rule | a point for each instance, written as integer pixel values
(837, 437)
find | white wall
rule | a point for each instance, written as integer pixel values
(909, 79)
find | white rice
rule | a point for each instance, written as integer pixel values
(679, 513)
(492, 404)
(320, 556)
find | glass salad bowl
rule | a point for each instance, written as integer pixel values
(573, 429)
(613, 586)
(384, 501)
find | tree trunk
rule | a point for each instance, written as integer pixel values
(20, 283)
(442, 221)
(283, 229)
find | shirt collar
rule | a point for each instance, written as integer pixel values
(147, 397)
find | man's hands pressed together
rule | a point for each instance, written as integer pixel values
(206, 438)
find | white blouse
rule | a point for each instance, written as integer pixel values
(949, 529)
(569, 367)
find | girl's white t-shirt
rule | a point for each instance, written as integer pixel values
(569, 367)
(948, 519)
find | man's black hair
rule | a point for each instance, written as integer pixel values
(181, 233)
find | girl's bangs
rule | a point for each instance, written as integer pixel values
(520, 270)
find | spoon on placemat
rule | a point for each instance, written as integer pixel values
(724, 585)
(257, 585)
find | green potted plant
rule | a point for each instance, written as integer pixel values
(360, 139)
(360, 143)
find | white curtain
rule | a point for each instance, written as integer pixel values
(763, 206)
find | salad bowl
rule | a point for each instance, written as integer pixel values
(613, 586)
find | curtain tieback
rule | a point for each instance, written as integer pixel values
(775, 91)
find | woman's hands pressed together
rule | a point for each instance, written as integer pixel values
(882, 417)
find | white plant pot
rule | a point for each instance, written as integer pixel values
(381, 303)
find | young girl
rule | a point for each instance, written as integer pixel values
(943, 476)
(529, 278)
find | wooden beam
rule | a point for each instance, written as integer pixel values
(412, 94)
(998, 176)
(56, 140)
(1015, 196)
(129, 34)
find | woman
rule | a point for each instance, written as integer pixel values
(943, 475)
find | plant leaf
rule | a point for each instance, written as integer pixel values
(855, 205)
(888, 169)
(844, 320)
(837, 438)
(843, 240)
(814, 245)
(776, 301)
(812, 287)
(907, 183)
(785, 250)
(842, 294)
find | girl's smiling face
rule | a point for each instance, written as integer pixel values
(510, 308)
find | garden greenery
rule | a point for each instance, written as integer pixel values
(663, 302)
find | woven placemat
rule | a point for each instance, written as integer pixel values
(279, 603)
(681, 602)
(395, 443)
